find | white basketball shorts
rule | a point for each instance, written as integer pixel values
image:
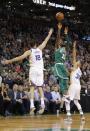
(36, 76)
(74, 91)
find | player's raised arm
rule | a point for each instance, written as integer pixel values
(43, 45)
(74, 53)
(58, 36)
(26, 54)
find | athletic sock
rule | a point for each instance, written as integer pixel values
(68, 113)
(32, 103)
(81, 112)
(68, 108)
(42, 103)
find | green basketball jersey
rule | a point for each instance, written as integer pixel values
(60, 55)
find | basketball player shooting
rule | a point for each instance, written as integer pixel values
(36, 70)
(59, 69)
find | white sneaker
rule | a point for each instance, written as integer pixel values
(69, 114)
(32, 111)
(41, 111)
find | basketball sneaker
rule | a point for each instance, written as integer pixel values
(41, 111)
(32, 111)
(68, 118)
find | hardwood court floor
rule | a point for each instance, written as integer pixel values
(44, 123)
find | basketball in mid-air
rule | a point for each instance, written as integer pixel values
(59, 16)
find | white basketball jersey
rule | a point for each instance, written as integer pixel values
(75, 76)
(36, 59)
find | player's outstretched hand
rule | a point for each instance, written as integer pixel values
(5, 62)
(59, 26)
(74, 44)
(51, 31)
(66, 30)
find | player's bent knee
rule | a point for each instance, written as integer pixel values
(76, 102)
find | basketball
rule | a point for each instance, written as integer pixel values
(59, 16)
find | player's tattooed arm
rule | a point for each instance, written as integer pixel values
(57, 43)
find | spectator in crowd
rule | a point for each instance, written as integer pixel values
(1, 102)
(56, 100)
(7, 103)
(0, 81)
(48, 99)
(17, 103)
(25, 100)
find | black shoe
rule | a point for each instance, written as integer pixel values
(7, 113)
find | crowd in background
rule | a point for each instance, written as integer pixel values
(15, 38)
